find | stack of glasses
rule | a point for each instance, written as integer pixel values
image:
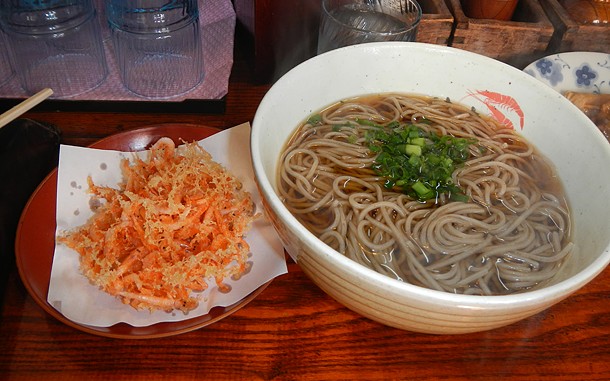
(59, 44)
(55, 44)
(158, 48)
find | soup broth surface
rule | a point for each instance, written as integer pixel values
(490, 219)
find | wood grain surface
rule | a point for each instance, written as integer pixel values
(293, 330)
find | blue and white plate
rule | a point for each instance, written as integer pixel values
(584, 72)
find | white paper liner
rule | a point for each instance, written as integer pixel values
(70, 292)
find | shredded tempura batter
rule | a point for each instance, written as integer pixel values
(179, 220)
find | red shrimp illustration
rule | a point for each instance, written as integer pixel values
(495, 102)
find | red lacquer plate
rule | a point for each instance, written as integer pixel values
(35, 241)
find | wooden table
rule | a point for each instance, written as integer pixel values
(293, 330)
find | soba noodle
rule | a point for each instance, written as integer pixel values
(510, 236)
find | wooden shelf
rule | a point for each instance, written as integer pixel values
(517, 42)
(570, 36)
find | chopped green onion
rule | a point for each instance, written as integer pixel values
(418, 142)
(432, 159)
(374, 148)
(422, 190)
(338, 127)
(459, 197)
(421, 164)
(413, 150)
(314, 119)
(365, 122)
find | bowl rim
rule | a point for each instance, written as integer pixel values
(553, 292)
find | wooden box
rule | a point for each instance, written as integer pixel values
(283, 33)
(517, 42)
(570, 36)
(436, 23)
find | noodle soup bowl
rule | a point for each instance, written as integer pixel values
(558, 129)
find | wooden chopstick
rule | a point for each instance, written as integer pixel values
(24, 106)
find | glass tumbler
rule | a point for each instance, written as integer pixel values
(351, 22)
(55, 44)
(157, 44)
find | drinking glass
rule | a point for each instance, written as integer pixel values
(55, 44)
(350, 22)
(157, 46)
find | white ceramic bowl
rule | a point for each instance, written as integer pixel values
(558, 129)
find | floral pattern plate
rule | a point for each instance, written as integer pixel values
(584, 72)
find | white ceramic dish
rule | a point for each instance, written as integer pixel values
(538, 112)
(585, 72)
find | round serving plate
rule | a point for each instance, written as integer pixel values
(35, 239)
